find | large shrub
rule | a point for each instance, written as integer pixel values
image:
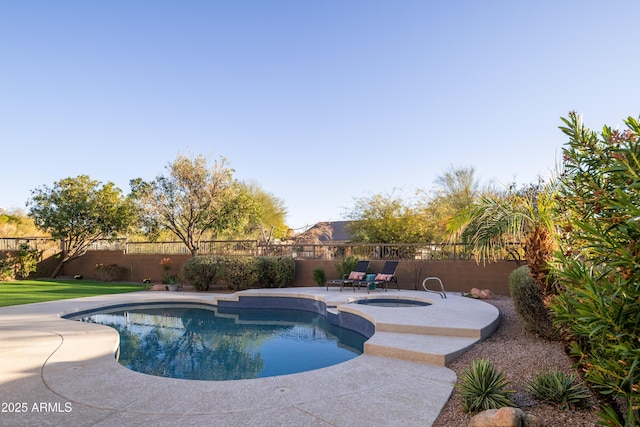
(26, 261)
(6, 267)
(529, 304)
(238, 272)
(110, 272)
(200, 272)
(275, 272)
(18, 264)
(598, 267)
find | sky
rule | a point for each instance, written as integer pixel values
(319, 102)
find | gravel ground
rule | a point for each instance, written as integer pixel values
(521, 356)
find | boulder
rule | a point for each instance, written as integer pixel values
(504, 417)
(486, 294)
(481, 294)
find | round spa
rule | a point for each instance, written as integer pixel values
(390, 302)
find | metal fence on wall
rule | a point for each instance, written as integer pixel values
(38, 243)
(426, 251)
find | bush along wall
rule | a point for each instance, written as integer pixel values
(529, 304)
(200, 272)
(275, 272)
(238, 273)
(110, 272)
(18, 264)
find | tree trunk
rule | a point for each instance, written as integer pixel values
(539, 246)
(56, 271)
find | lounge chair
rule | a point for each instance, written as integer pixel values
(387, 275)
(359, 273)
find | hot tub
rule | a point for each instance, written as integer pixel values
(390, 302)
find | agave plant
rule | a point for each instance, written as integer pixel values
(557, 387)
(483, 387)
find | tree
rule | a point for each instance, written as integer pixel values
(455, 190)
(78, 211)
(459, 186)
(14, 223)
(266, 215)
(386, 219)
(494, 222)
(192, 200)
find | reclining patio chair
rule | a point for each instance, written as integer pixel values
(387, 275)
(359, 273)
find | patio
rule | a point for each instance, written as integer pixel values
(55, 371)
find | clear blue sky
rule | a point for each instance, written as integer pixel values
(319, 102)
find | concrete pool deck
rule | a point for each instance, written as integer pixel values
(55, 371)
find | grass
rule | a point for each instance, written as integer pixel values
(31, 291)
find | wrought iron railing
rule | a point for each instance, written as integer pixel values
(406, 251)
(38, 243)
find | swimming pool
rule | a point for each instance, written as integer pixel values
(201, 342)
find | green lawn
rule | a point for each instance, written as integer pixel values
(30, 291)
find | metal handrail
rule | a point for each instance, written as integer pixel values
(441, 292)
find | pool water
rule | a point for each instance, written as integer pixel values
(226, 343)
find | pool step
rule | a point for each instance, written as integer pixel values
(432, 349)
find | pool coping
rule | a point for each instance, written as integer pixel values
(68, 370)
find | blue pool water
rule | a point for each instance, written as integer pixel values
(200, 343)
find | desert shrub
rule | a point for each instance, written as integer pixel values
(26, 261)
(275, 272)
(557, 387)
(483, 387)
(268, 272)
(200, 271)
(346, 266)
(287, 270)
(319, 276)
(239, 272)
(6, 267)
(18, 264)
(109, 272)
(528, 303)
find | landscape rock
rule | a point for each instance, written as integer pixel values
(486, 294)
(481, 294)
(504, 417)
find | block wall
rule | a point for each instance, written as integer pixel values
(457, 276)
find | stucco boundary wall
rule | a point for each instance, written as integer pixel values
(457, 276)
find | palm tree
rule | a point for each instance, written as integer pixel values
(494, 222)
